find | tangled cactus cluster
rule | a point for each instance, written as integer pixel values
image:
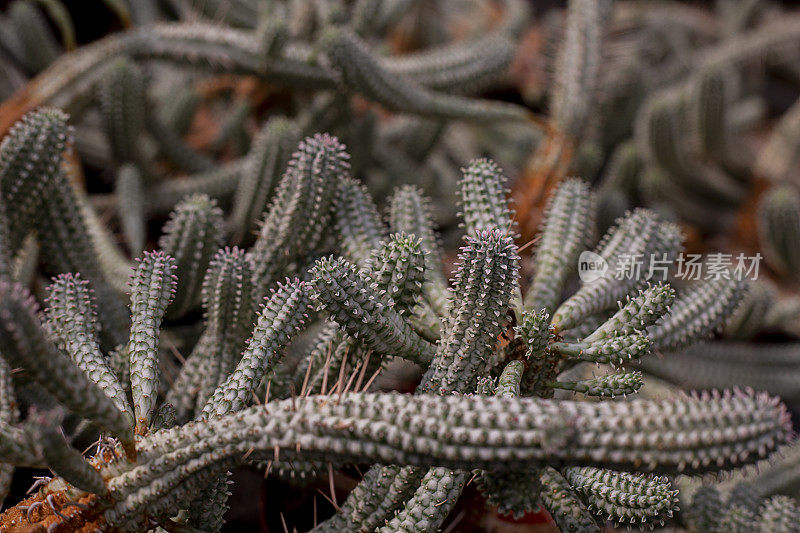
(293, 308)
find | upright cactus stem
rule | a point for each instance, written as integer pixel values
(483, 198)
(191, 237)
(566, 232)
(152, 289)
(300, 212)
(72, 318)
(26, 345)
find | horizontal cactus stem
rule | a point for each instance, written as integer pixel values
(687, 434)
(571, 349)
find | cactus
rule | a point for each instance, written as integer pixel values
(342, 281)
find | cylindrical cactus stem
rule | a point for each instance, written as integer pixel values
(344, 292)
(269, 153)
(26, 345)
(72, 317)
(410, 212)
(282, 317)
(567, 230)
(192, 236)
(484, 202)
(131, 207)
(641, 234)
(358, 224)
(566, 508)
(697, 313)
(301, 209)
(152, 288)
(625, 497)
(122, 94)
(30, 158)
(481, 290)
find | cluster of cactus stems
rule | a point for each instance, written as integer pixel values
(482, 404)
(314, 280)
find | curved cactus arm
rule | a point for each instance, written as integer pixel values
(403, 429)
(637, 313)
(152, 288)
(72, 317)
(269, 153)
(358, 224)
(344, 292)
(67, 462)
(612, 350)
(610, 385)
(482, 289)
(410, 212)
(468, 67)
(578, 64)
(624, 497)
(26, 345)
(282, 316)
(123, 106)
(131, 207)
(567, 229)
(697, 313)
(192, 235)
(529, 430)
(568, 511)
(301, 210)
(641, 234)
(360, 71)
(484, 205)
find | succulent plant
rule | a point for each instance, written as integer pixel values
(305, 260)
